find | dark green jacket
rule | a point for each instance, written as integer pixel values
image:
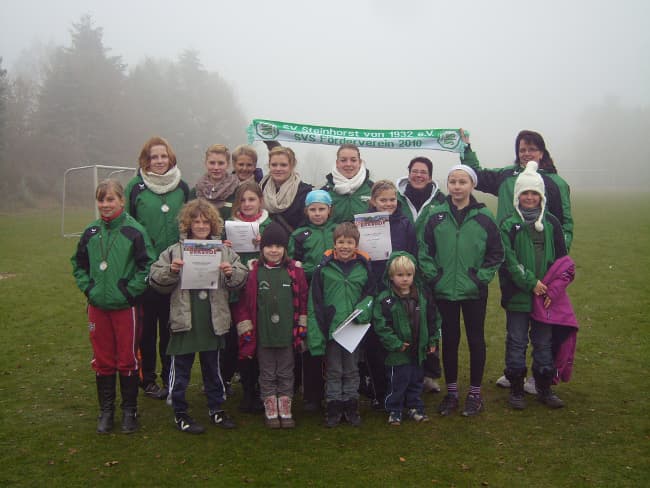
(346, 206)
(517, 275)
(459, 261)
(308, 243)
(501, 182)
(146, 207)
(127, 250)
(333, 295)
(416, 217)
(393, 327)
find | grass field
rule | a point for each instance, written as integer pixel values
(602, 438)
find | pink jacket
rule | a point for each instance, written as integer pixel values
(560, 313)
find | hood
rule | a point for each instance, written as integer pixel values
(391, 258)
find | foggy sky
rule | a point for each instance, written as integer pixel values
(491, 67)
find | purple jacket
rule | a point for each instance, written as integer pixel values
(560, 312)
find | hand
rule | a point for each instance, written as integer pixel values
(540, 288)
(547, 301)
(404, 347)
(432, 350)
(464, 137)
(247, 336)
(176, 265)
(227, 242)
(226, 268)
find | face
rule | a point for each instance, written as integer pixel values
(217, 166)
(529, 152)
(529, 199)
(273, 253)
(419, 176)
(345, 248)
(109, 204)
(385, 201)
(280, 168)
(348, 162)
(318, 213)
(200, 227)
(250, 204)
(244, 167)
(459, 186)
(403, 281)
(158, 160)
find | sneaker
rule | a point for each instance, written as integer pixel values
(394, 418)
(473, 405)
(503, 382)
(152, 390)
(430, 385)
(529, 386)
(448, 405)
(185, 423)
(413, 414)
(220, 418)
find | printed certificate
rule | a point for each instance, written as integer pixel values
(375, 234)
(201, 264)
(243, 235)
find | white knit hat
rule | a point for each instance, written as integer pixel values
(530, 180)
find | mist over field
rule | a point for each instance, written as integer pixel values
(86, 82)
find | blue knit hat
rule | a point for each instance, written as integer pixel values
(318, 196)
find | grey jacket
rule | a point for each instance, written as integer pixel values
(163, 280)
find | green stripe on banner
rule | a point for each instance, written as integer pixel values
(436, 139)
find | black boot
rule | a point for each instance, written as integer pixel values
(129, 389)
(351, 412)
(516, 377)
(545, 394)
(106, 397)
(333, 413)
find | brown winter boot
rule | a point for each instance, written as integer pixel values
(286, 419)
(271, 418)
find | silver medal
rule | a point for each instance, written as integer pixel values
(203, 294)
(275, 318)
(103, 266)
(164, 208)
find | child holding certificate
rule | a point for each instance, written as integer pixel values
(339, 286)
(271, 319)
(110, 266)
(199, 319)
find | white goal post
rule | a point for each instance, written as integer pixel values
(112, 171)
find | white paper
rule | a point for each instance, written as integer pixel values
(243, 235)
(348, 334)
(374, 229)
(201, 260)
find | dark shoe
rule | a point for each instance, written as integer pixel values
(516, 377)
(448, 405)
(186, 424)
(351, 412)
(517, 401)
(129, 420)
(129, 390)
(152, 390)
(545, 394)
(220, 418)
(473, 405)
(333, 414)
(106, 397)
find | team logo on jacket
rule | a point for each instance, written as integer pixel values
(141, 185)
(440, 217)
(517, 227)
(264, 285)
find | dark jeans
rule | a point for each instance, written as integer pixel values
(404, 388)
(155, 325)
(518, 325)
(181, 371)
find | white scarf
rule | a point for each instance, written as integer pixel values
(276, 201)
(347, 186)
(161, 184)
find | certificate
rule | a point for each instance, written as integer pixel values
(243, 235)
(201, 260)
(348, 334)
(374, 229)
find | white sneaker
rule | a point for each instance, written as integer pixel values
(429, 384)
(503, 382)
(529, 386)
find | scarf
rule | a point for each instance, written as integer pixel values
(530, 215)
(418, 197)
(216, 193)
(161, 184)
(347, 186)
(276, 201)
(260, 217)
(114, 216)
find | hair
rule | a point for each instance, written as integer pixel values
(536, 139)
(346, 229)
(401, 263)
(287, 151)
(143, 159)
(218, 149)
(195, 208)
(347, 146)
(382, 185)
(244, 150)
(243, 188)
(421, 159)
(107, 185)
(283, 262)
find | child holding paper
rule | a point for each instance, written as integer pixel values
(340, 285)
(271, 319)
(406, 324)
(199, 319)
